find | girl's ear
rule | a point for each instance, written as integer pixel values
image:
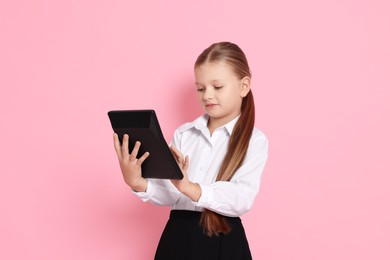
(245, 86)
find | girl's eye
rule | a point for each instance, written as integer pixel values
(218, 87)
(200, 89)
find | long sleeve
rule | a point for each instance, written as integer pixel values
(159, 192)
(236, 197)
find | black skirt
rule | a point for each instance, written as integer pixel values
(183, 239)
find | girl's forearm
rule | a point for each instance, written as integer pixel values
(192, 191)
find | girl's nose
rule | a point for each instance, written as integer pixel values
(207, 94)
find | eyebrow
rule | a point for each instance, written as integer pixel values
(213, 81)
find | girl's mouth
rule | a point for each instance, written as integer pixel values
(211, 105)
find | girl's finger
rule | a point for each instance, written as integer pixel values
(125, 146)
(186, 163)
(117, 146)
(135, 150)
(142, 158)
(175, 152)
(178, 155)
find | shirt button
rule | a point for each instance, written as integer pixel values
(201, 168)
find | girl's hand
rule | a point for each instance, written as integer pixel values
(185, 186)
(183, 163)
(130, 165)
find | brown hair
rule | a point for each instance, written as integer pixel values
(212, 222)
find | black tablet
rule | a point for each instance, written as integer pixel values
(143, 126)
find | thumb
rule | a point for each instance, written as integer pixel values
(186, 163)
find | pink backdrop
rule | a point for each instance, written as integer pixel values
(321, 83)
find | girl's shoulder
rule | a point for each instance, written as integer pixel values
(258, 136)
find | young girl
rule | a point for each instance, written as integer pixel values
(227, 159)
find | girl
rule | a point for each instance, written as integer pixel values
(227, 159)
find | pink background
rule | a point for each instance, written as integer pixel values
(322, 88)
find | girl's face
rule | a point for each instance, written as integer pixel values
(220, 91)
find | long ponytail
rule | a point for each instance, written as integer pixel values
(212, 222)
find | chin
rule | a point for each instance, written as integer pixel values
(214, 115)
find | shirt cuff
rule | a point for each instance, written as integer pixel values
(206, 196)
(146, 195)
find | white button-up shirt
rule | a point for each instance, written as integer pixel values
(206, 153)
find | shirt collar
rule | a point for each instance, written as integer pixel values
(201, 123)
(230, 126)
